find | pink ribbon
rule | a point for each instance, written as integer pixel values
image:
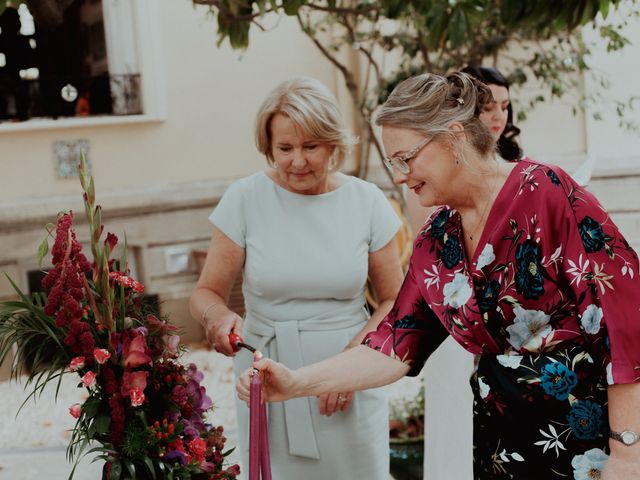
(259, 458)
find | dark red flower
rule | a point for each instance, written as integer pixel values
(111, 241)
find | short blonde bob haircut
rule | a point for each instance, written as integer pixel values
(313, 108)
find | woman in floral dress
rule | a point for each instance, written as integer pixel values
(524, 269)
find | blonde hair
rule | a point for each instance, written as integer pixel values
(429, 103)
(313, 108)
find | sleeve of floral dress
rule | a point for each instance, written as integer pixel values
(603, 271)
(411, 331)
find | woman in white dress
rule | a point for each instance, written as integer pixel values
(306, 238)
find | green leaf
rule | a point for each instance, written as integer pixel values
(457, 28)
(291, 7)
(149, 465)
(123, 258)
(43, 249)
(102, 423)
(262, 6)
(90, 407)
(604, 8)
(131, 468)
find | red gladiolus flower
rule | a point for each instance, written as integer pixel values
(101, 355)
(89, 379)
(135, 351)
(111, 241)
(76, 364)
(75, 410)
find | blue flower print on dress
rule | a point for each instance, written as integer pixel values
(488, 300)
(589, 465)
(529, 279)
(451, 252)
(439, 225)
(585, 419)
(591, 234)
(557, 380)
(408, 321)
(554, 178)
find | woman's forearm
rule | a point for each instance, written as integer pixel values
(204, 299)
(358, 368)
(624, 405)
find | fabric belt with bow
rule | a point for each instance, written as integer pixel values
(297, 411)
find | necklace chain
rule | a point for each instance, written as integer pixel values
(473, 232)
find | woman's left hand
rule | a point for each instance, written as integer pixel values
(331, 403)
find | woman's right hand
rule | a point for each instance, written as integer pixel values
(218, 327)
(279, 383)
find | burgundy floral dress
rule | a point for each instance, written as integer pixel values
(550, 304)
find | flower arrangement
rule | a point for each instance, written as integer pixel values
(406, 418)
(145, 411)
(406, 436)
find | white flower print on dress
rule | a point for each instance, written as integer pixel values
(551, 441)
(529, 329)
(589, 465)
(487, 257)
(511, 361)
(484, 388)
(610, 374)
(504, 456)
(591, 319)
(457, 292)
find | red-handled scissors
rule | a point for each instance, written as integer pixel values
(237, 343)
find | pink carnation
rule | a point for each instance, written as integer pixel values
(197, 448)
(137, 396)
(101, 355)
(76, 364)
(75, 410)
(89, 379)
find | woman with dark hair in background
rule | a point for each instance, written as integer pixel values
(498, 116)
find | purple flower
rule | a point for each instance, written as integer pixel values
(175, 456)
(193, 373)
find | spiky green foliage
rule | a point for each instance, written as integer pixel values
(32, 339)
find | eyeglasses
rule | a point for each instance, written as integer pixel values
(401, 163)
